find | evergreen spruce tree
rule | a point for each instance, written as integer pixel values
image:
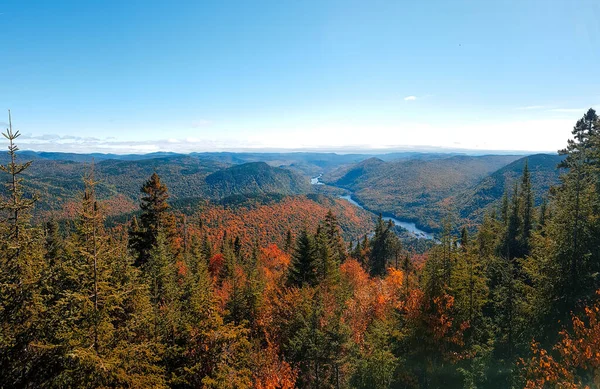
(154, 208)
(304, 266)
(565, 263)
(289, 242)
(21, 269)
(526, 211)
(383, 246)
(334, 237)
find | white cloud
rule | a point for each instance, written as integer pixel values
(569, 110)
(530, 107)
(410, 98)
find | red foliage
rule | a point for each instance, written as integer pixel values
(215, 265)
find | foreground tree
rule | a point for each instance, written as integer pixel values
(304, 266)
(573, 362)
(154, 208)
(21, 269)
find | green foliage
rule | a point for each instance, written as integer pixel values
(385, 247)
(416, 190)
(207, 309)
(253, 178)
(304, 265)
(143, 237)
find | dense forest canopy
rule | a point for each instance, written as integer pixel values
(247, 294)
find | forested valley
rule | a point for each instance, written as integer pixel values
(251, 295)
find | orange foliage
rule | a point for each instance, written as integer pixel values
(113, 206)
(271, 371)
(435, 316)
(576, 354)
(269, 223)
(274, 262)
(360, 306)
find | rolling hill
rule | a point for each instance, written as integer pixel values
(253, 178)
(472, 202)
(415, 190)
(59, 182)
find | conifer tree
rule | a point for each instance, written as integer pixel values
(304, 266)
(100, 319)
(334, 237)
(382, 247)
(21, 268)
(154, 207)
(289, 242)
(565, 263)
(18, 206)
(526, 211)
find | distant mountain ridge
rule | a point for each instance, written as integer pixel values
(61, 181)
(422, 188)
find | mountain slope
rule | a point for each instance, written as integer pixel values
(416, 190)
(253, 178)
(472, 202)
(268, 217)
(351, 175)
(60, 182)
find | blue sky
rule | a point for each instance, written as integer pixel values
(133, 76)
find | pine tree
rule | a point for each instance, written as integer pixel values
(566, 261)
(304, 266)
(447, 251)
(289, 242)
(328, 257)
(18, 206)
(154, 208)
(578, 179)
(510, 245)
(383, 246)
(22, 266)
(99, 320)
(526, 211)
(334, 237)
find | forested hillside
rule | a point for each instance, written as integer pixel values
(255, 177)
(473, 202)
(187, 176)
(269, 221)
(415, 190)
(264, 291)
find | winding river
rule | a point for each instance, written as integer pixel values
(409, 226)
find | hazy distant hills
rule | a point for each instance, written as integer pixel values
(308, 163)
(59, 181)
(418, 187)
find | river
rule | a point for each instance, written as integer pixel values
(409, 226)
(315, 180)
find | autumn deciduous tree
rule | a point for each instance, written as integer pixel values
(574, 362)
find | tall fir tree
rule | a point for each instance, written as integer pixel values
(22, 267)
(304, 265)
(154, 208)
